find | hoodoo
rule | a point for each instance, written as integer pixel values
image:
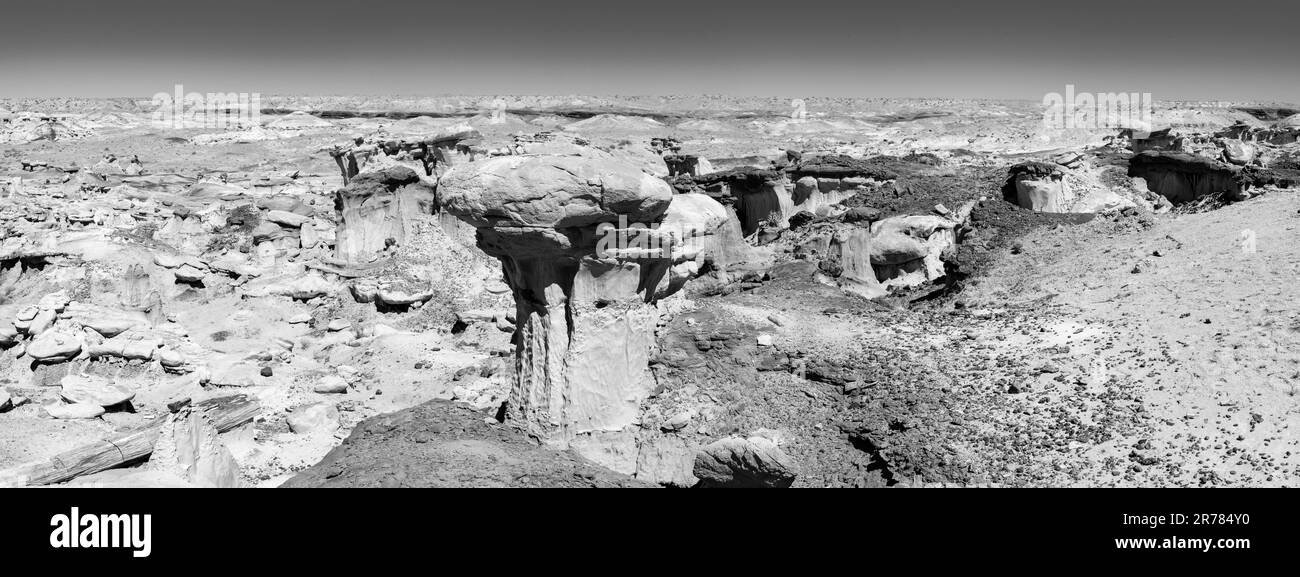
(585, 317)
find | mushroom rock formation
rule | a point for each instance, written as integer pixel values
(588, 245)
(908, 250)
(757, 195)
(1039, 186)
(378, 206)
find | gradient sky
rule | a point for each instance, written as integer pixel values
(1239, 50)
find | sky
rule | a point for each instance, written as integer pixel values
(1190, 50)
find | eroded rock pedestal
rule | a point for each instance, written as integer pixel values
(1041, 187)
(586, 296)
(375, 208)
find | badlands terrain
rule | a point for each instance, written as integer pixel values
(640, 292)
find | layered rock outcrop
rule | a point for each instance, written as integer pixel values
(1182, 177)
(375, 211)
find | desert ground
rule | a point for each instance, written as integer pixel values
(695, 291)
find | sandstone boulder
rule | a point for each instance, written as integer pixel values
(314, 417)
(94, 390)
(53, 347)
(331, 384)
(61, 410)
(286, 218)
(752, 462)
(106, 321)
(187, 273)
(1238, 152)
(301, 287)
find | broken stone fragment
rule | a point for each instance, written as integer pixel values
(478, 316)
(94, 390)
(395, 297)
(141, 350)
(43, 321)
(239, 374)
(752, 462)
(106, 321)
(175, 260)
(1238, 152)
(190, 448)
(53, 347)
(666, 460)
(338, 325)
(286, 201)
(314, 417)
(364, 290)
(286, 218)
(268, 231)
(235, 264)
(302, 287)
(171, 359)
(26, 314)
(61, 410)
(187, 273)
(331, 384)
